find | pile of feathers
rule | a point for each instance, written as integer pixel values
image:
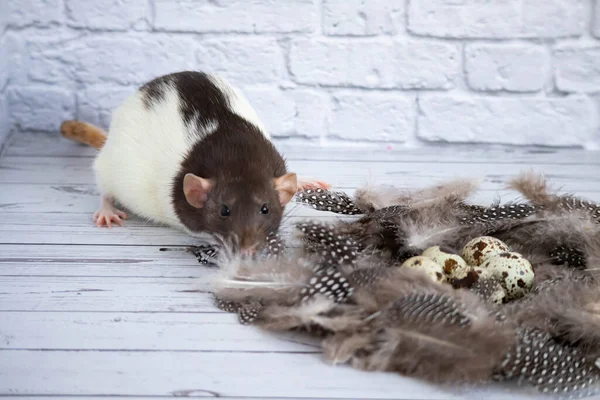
(356, 284)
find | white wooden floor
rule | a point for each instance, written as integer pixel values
(88, 312)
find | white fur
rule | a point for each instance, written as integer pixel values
(145, 149)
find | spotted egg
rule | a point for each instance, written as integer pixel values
(427, 265)
(479, 249)
(513, 271)
(453, 265)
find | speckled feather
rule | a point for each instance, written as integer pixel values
(569, 256)
(431, 336)
(325, 200)
(551, 367)
(275, 245)
(328, 282)
(536, 189)
(571, 203)
(488, 289)
(430, 308)
(497, 212)
(379, 317)
(335, 247)
(205, 254)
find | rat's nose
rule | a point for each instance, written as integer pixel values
(248, 242)
(248, 251)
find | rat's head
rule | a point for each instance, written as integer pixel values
(239, 211)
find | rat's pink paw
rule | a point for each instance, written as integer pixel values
(313, 184)
(106, 216)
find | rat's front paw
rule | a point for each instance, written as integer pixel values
(105, 217)
(305, 184)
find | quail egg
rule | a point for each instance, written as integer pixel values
(430, 267)
(513, 271)
(453, 265)
(479, 249)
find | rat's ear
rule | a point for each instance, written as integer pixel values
(287, 186)
(196, 189)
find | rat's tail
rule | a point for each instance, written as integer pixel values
(84, 133)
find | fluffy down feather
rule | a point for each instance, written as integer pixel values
(407, 229)
(375, 198)
(567, 308)
(346, 284)
(536, 189)
(430, 333)
(572, 239)
(279, 280)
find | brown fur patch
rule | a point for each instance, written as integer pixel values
(84, 133)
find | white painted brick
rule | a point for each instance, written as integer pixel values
(4, 62)
(297, 112)
(404, 63)
(253, 60)
(106, 14)
(275, 109)
(3, 19)
(229, 16)
(596, 20)
(361, 17)
(372, 116)
(517, 120)
(5, 125)
(312, 108)
(126, 60)
(41, 108)
(22, 13)
(553, 18)
(515, 68)
(496, 19)
(95, 104)
(14, 57)
(38, 57)
(577, 68)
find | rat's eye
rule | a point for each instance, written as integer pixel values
(225, 211)
(264, 209)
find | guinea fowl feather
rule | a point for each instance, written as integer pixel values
(325, 200)
(554, 368)
(346, 285)
(497, 212)
(424, 331)
(568, 309)
(571, 239)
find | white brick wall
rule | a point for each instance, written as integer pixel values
(514, 72)
(5, 125)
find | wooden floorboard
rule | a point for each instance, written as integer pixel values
(113, 373)
(89, 313)
(143, 332)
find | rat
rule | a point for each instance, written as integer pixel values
(187, 150)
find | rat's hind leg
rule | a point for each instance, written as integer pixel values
(304, 184)
(107, 214)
